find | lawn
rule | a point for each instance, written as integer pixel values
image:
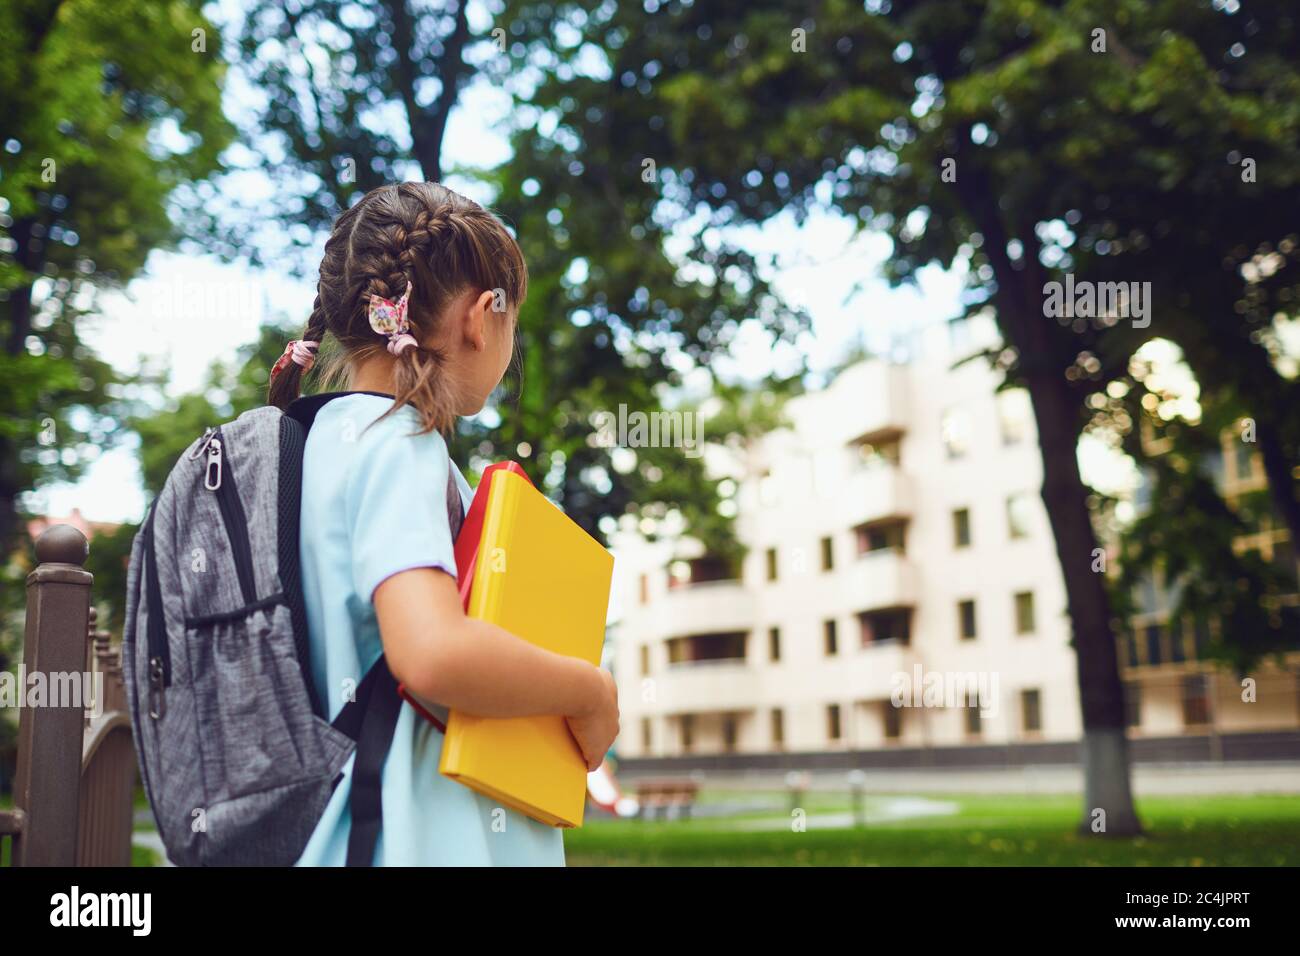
(984, 830)
(1019, 830)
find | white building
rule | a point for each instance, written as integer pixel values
(894, 530)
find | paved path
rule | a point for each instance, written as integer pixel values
(875, 810)
(1148, 779)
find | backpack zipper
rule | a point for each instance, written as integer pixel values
(220, 480)
(160, 663)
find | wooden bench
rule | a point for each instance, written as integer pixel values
(670, 798)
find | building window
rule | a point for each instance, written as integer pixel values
(729, 733)
(1196, 701)
(645, 659)
(966, 617)
(688, 727)
(893, 721)
(883, 452)
(830, 632)
(771, 564)
(1177, 648)
(961, 528)
(716, 646)
(774, 643)
(885, 536)
(1151, 634)
(1019, 515)
(778, 729)
(828, 554)
(1132, 704)
(1131, 649)
(1031, 710)
(833, 722)
(645, 589)
(972, 720)
(1201, 637)
(1025, 612)
(1014, 411)
(646, 741)
(894, 624)
(956, 429)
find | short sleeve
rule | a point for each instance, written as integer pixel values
(397, 505)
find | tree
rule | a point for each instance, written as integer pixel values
(98, 129)
(976, 133)
(592, 335)
(1027, 141)
(1240, 605)
(327, 71)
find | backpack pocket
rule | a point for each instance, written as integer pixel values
(259, 732)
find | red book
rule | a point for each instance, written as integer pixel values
(467, 542)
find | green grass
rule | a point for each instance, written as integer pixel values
(986, 830)
(1017, 830)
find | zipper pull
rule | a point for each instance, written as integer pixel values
(202, 446)
(157, 693)
(212, 473)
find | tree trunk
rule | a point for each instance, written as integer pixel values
(1108, 800)
(1043, 357)
(428, 124)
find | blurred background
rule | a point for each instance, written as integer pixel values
(931, 369)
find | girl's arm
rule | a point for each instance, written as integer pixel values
(481, 669)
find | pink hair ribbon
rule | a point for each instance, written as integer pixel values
(303, 353)
(389, 318)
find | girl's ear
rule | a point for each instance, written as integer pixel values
(476, 319)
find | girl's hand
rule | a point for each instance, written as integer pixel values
(596, 727)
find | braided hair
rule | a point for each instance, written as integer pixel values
(419, 233)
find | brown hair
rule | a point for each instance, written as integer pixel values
(442, 244)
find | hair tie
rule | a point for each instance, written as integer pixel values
(389, 318)
(302, 352)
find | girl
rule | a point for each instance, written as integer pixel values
(411, 291)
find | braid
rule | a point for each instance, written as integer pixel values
(286, 385)
(420, 235)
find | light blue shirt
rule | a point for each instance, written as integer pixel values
(374, 503)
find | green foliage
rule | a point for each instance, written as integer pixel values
(107, 111)
(1187, 530)
(231, 389)
(109, 554)
(996, 136)
(396, 60)
(611, 318)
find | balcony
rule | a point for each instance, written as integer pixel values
(875, 492)
(871, 670)
(706, 687)
(878, 393)
(879, 579)
(709, 606)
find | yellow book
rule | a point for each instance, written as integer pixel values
(541, 577)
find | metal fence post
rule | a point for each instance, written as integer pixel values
(49, 738)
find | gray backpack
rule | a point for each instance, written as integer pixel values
(237, 755)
